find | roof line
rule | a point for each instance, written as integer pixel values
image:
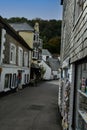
(13, 33)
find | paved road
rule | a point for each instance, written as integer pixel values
(32, 108)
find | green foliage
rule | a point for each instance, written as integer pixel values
(50, 31)
(17, 20)
(54, 45)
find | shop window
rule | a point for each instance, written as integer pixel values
(12, 53)
(80, 114)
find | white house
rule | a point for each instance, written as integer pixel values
(51, 65)
(46, 54)
(48, 71)
(54, 63)
(14, 55)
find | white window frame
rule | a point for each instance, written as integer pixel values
(8, 81)
(12, 54)
(20, 56)
(26, 59)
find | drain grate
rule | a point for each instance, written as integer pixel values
(36, 107)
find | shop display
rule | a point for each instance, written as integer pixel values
(82, 98)
(84, 85)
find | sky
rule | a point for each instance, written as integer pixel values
(31, 9)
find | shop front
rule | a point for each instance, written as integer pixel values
(80, 96)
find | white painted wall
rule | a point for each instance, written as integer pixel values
(44, 57)
(47, 75)
(6, 69)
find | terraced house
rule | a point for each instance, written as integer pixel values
(14, 58)
(73, 87)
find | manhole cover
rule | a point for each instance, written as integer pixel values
(36, 107)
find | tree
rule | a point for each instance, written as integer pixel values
(54, 45)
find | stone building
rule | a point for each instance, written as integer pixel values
(14, 58)
(74, 64)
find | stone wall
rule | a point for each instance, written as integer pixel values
(8, 40)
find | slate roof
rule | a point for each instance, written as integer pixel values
(22, 27)
(53, 63)
(46, 52)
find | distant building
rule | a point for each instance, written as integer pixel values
(54, 63)
(47, 71)
(51, 65)
(46, 54)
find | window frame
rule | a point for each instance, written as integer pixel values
(20, 56)
(12, 53)
(26, 58)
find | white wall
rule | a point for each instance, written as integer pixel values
(6, 69)
(55, 73)
(47, 75)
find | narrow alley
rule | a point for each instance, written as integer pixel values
(32, 108)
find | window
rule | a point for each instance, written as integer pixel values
(20, 56)
(35, 54)
(12, 53)
(14, 80)
(80, 98)
(8, 81)
(25, 58)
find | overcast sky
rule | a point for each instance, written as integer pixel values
(31, 9)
